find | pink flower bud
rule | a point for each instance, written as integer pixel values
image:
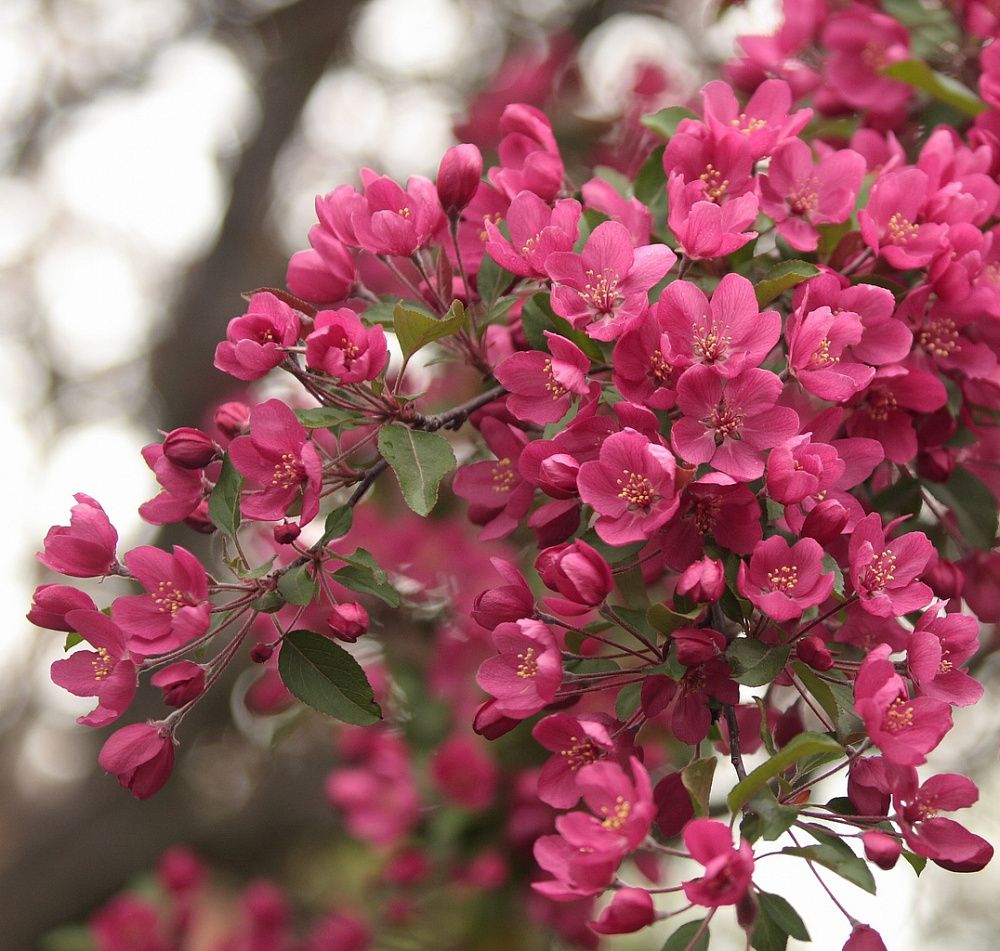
(311, 276)
(630, 910)
(180, 870)
(348, 621)
(189, 448)
(490, 722)
(508, 602)
(86, 547)
(812, 651)
(233, 419)
(181, 682)
(141, 756)
(703, 582)
(881, 849)
(945, 578)
(698, 645)
(936, 463)
(459, 176)
(825, 522)
(286, 532)
(261, 653)
(864, 938)
(52, 602)
(577, 572)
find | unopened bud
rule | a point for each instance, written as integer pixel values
(286, 532)
(181, 682)
(261, 653)
(458, 177)
(881, 849)
(189, 448)
(348, 621)
(233, 419)
(703, 582)
(812, 651)
(825, 522)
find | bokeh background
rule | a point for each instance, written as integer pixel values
(158, 158)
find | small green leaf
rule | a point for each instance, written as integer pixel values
(665, 122)
(327, 678)
(364, 581)
(830, 566)
(224, 502)
(784, 915)
(805, 744)
(338, 524)
(269, 602)
(420, 460)
(627, 701)
(916, 862)
(255, 573)
(297, 586)
(919, 75)
(415, 330)
(783, 277)
(326, 417)
(666, 620)
(972, 504)
(651, 182)
(819, 689)
(766, 818)
(847, 866)
(681, 939)
(492, 281)
(697, 779)
(72, 639)
(537, 317)
(755, 663)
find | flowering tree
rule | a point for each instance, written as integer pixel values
(740, 391)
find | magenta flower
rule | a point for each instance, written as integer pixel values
(576, 743)
(108, 672)
(784, 581)
(255, 342)
(622, 804)
(646, 366)
(728, 333)
(323, 273)
(464, 772)
(390, 221)
(583, 863)
(934, 655)
(86, 547)
(801, 468)
(884, 572)
(630, 909)
(904, 729)
(703, 581)
(704, 229)
(175, 609)
(728, 871)
(180, 683)
(631, 486)
(764, 120)
(602, 196)
(799, 195)
(183, 488)
(51, 603)
(578, 573)
(541, 385)
(603, 290)
(343, 347)
(527, 671)
(719, 163)
(729, 423)
(529, 155)
(892, 224)
(278, 458)
(817, 342)
(536, 231)
(141, 756)
(507, 602)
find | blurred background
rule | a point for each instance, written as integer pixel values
(157, 159)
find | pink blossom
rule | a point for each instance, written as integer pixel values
(348, 621)
(141, 756)
(529, 155)
(718, 162)
(801, 468)
(108, 672)
(183, 488)
(602, 196)
(577, 742)
(764, 120)
(536, 231)
(622, 804)
(189, 448)
(280, 463)
(881, 848)
(630, 910)
(341, 346)
(817, 341)
(391, 221)
(685, 704)
(646, 366)
(728, 871)
(729, 423)
(884, 572)
(323, 273)
(631, 486)
(487, 205)
(508, 602)
(864, 938)
(464, 772)
(582, 863)
(51, 603)
(934, 655)
(86, 547)
(784, 581)
(705, 230)
(728, 333)
(703, 581)
(603, 290)
(540, 385)
(458, 177)
(116, 925)
(175, 609)
(255, 342)
(892, 223)
(527, 670)
(904, 729)
(180, 683)
(578, 573)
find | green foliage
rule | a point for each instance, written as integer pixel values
(415, 330)
(755, 663)
(224, 502)
(916, 73)
(664, 123)
(697, 779)
(681, 939)
(782, 277)
(972, 504)
(420, 461)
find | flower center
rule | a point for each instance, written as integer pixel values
(901, 230)
(602, 289)
(874, 56)
(880, 404)
(580, 754)
(881, 571)
(287, 471)
(710, 343)
(484, 234)
(503, 476)
(404, 212)
(617, 815)
(783, 579)
(727, 421)
(822, 357)
(530, 244)
(939, 337)
(715, 185)
(747, 124)
(551, 383)
(636, 489)
(899, 716)
(168, 598)
(527, 666)
(804, 199)
(102, 663)
(706, 514)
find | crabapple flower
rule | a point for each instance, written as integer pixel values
(280, 463)
(86, 547)
(527, 671)
(323, 273)
(703, 581)
(255, 342)
(704, 229)
(141, 756)
(189, 448)
(175, 609)
(882, 849)
(891, 221)
(764, 120)
(905, 729)
(630, 910)
(883, 572)
(529, 154)
(464, 773)
(183, 488)
(728, 871)
(341, 346)
(631, 486)
(508, 602)
(108, 672)
(537, 230)
(783, 581)
(934, 655)
(603, 290)
(583, 863)
(646, 366)
(729, 423)
(51, 603)
(391, 221)
(578, 573)
(816, 353)
(348, 621)
(180, 683)
(541, 385)
(577, 742)
(622, 804)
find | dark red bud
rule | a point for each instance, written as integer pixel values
(825, 522)
(261, 653)
(286, 532)
(189, 448)
(881, 849)
(812, 651)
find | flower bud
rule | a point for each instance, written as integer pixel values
(489, 722)
(577, 572)
(698, 645)
(199, 520)
(458, 177)
(311, 277)
(881, 849)
(825, 522)
(703, 582)
(52, 602)
(181, 682)
(141, 755)
(233, 419)
(348, 621)
(812, 651)
(945, 577)
(180, 870)
(629, 910)
(261, 653)
(936, 463)
(508, 602)
(189, 448)
(286, 532)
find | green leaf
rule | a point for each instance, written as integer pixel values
(766, 818)
(651, 182)
(254, 573)
(326, 417)
(224, 502)
(819, 689)
(537, 317)
(665, 122)
(666, 621)
(415, 330)
(917, 862)
(783, 277)
(365, 581)
(755, 663)
(269, 602)
(297, 586)
(830, 566)
(338, 524)
(697, 779)
(627, 701)
(72, 639)
(847, 866)
(382, 312)
(972, 504)
(420, 460)
(784, 915)
(492, 281)
(919, 75)
(681, 939)
(327, 678)
(805, 744)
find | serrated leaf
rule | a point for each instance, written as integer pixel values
(783, 277)
(755, 663)
(972, 504)
(851, 868)
(681, 939)
(916, 73)
(801, 746)
(665, 122)
(297, 586)
(224, 502)
(327, 678)
(697, 779)
(415, 330)
(420, 461)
